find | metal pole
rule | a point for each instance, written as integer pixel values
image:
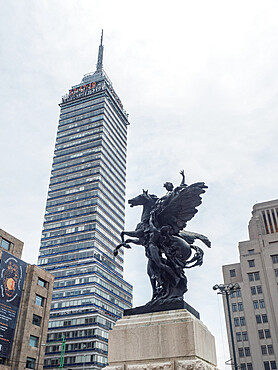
(231, 329)
(61, 366)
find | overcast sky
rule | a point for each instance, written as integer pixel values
(199, 80)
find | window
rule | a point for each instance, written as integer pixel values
(261, 334)
(243, 366)
(267, 333)
(262, 305)
(5, 244)
(264, 317)
(256, 304)
(232, 273)
(39, 300)
(253, 276)
(238, 337)
(253, 290)
(30, 363)
(247, 351)
(270, 349)
(258, 319)
(240, 306)
(240, 352)
(234, 307)
(251, 263)
(276, 272)
(36, 320)
(263, 349)
(236, 321)
(244, 336)
(242, 321)
(259, 289)
(251, 251)
(41, 282)
(272, 364)
(275, 258)
(33, 341)
(249, 366)
(236, 293)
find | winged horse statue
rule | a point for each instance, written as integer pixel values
(169, 248)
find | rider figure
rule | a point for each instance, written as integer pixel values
(171, 192)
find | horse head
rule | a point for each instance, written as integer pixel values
(143, 199)
(147, 201)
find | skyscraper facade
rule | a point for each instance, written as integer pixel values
(254, 307)
(83, 220)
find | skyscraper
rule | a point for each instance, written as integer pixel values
(254, 308)
(83, 220)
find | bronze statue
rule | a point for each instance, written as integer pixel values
(168, 246)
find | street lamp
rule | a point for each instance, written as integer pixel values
(63, 349)
(227, 289)
(61, 366)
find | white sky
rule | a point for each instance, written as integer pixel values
(199, 79)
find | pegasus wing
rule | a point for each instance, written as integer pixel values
(181, 207)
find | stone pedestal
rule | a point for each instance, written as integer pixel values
(167, 340)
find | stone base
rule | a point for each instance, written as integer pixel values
(178, 365)
(168, 340)
(164, 305)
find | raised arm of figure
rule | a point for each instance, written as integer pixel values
(183, 178)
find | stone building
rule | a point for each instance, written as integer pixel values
(27, 340)
(254, 308)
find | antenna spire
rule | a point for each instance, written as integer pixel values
(100, 54)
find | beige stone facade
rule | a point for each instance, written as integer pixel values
(33, 316)
(168, 340)
(11, 244)
(254, 308)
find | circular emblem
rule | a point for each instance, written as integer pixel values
(10, 278)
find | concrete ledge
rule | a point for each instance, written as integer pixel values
(174, 365)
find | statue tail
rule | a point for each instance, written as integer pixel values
(197, 259)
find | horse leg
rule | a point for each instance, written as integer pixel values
(122, 236)
(134, 241)
(125, 244)
(133, 234)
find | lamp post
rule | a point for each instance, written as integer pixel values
(227, 289)
(63, 348)
(61, 366)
